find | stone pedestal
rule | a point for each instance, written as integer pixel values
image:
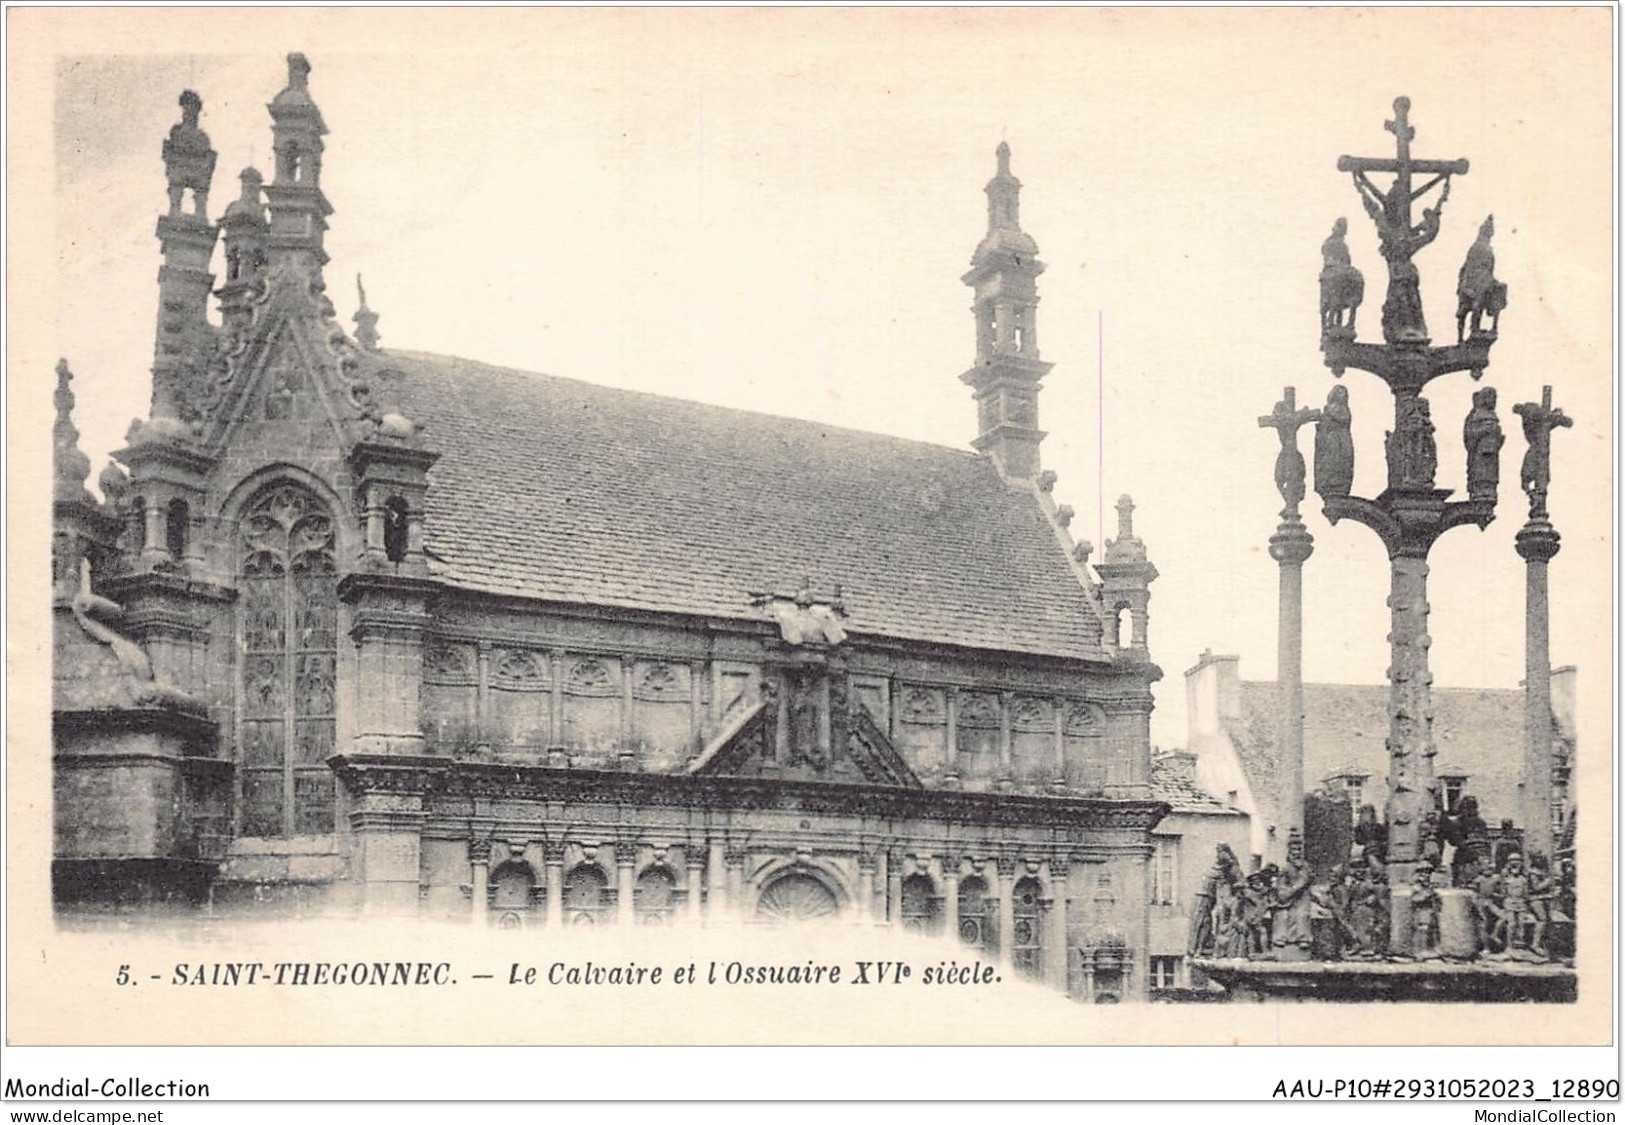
(1458, 930)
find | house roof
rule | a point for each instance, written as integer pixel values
(1477, 731)
(560, 490)
(1173, 780)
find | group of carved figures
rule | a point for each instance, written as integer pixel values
(1411, 448)
(1342, 286)
(1519, 910)
(1264, 915)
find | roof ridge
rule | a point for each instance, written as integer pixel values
(483, 367)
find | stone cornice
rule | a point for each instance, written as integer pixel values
(217, 769)
(441, 777)
(364, 454)
(156, 583)
(358, 584)
(138, 720)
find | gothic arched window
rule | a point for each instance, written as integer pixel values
(290, 656)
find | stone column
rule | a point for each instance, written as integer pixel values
(1055, 951)
(1003, 873)
(553, 858)
(1004, 780)
(950, 897)
(734, 859)
(894, 887)
(626, 858)
(716, 906)
(479, 859)
(1410, 723)
(1291, 546)
(696, 870)
(1538, 542)
(866, 887)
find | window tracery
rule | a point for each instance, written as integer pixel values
(289, 631)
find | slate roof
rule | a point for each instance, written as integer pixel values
(560, 490)
(1477, 731)
(1173, 781)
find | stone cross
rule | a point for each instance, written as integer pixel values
(1290, 470)
(1404, 166)
(1539, 420)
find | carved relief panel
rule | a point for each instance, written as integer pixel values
(592, 710)
(1033, 757)
(450, 698)
(1083, 747)
(662, 713)
(923, 726)
(976, 754)
(520, 701)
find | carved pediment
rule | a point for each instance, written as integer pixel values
(746, 747)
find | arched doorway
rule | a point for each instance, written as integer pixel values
(796, 897)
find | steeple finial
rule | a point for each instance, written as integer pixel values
(366, 321)
(71, 465)
(1003, 195)
(299, 210)
(1125, 516)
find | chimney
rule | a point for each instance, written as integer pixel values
(1212, 693)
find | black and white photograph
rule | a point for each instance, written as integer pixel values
(734, 527)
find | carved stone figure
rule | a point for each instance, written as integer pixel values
(1371, 837)
(1285, 420)
(1477, 291)
(1290, 932)
(1482, 435)
(1257, 896)
(1413, 457)
(1334, 446)
(1465, 831)
(1342, 287)
(1216, 896)
(188, 158)
(1520, 932)
(1325, 936)
(1424, 915)
(1361, 912)
(1539, 420)
(1402, 319)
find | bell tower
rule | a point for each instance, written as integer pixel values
(1004, 277)
(299, 210)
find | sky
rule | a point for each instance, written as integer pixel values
(772, 210)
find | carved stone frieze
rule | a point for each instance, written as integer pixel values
(520, 668)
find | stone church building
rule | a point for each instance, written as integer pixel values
(365, 631)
